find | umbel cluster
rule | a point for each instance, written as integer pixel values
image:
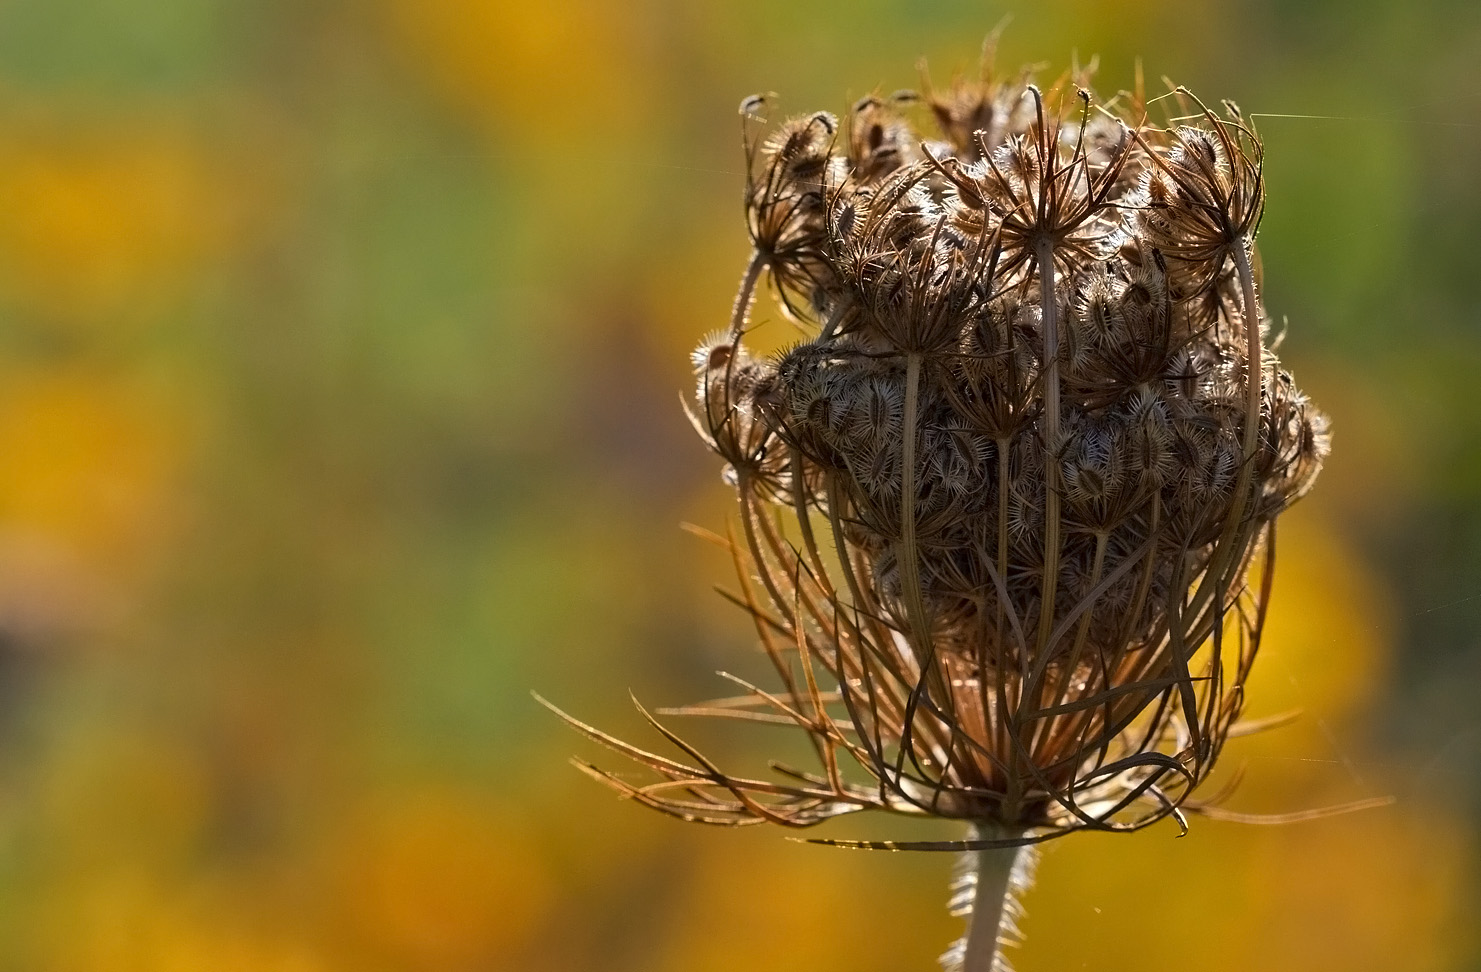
(1006, 512)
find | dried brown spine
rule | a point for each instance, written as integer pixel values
(1036, 415)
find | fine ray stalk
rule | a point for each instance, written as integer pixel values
(1007, 510)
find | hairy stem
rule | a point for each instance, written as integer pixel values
(740, 314)
(909, 552)
(998, 875)
(1049, 315)
(1049, 318)
(1225, 562)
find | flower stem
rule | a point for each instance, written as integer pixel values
(740, 315)
(1000, 874)
(1049, 319)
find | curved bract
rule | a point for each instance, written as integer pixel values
(1000, 511)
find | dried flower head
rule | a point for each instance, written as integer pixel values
(1007, 513)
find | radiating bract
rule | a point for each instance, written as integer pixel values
(999, 510)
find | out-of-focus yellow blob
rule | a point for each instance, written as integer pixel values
(1375, 889)
(547, 71)
(128, 924)
(757, 902)
(1324, 653)
(441, 878)
(123, 799)
(89, 462)
(691, 283)
(101, 229)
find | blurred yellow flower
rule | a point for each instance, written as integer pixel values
(442, 879)
(128, 924)
(1327, 606)
(89, 462)
(100, 227)
(116, 802)
(526, 66)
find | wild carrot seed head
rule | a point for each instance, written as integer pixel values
(1028, 452)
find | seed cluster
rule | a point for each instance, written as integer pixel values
(952, 280)
(1006, 493)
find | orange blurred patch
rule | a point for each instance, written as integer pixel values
(123, 800)
(550, 71)
(100, 229)
(128, 924)
(1324, 653)
(1379, 890)
(757, 901)
(1330, 624)
(89, 462)
(1371, 889)
(440, 878)
(689, 289)
(1382, 889)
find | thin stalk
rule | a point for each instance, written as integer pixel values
(1226, 560)
(1049, 315)
(1000, 724)
(909, 551)
(1255, 380)
(740, 314)
(998, 874)
(1220, 567)
(1049, 318)
(1067, 676)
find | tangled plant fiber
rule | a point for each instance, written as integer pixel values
(1007, 513)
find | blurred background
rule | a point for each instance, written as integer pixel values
(340, 353)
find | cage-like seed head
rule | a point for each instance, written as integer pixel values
(998, 508)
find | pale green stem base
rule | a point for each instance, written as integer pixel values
(998, 876)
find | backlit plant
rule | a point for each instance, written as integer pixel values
(1006, 513)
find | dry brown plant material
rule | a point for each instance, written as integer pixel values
(1007, 513)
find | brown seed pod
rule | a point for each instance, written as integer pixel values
(999, 511)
